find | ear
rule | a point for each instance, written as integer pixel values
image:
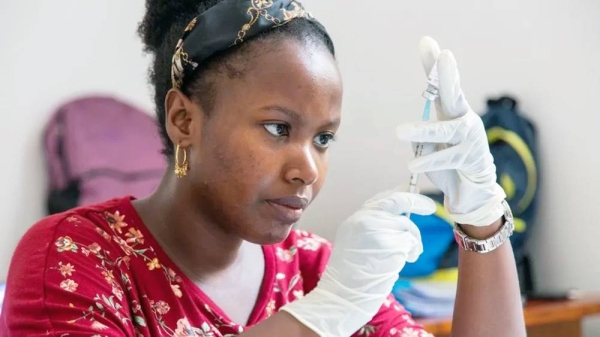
(183, 118)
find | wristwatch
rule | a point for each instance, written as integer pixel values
(490, 244)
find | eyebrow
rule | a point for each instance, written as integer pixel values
(290, 113)
(296, 116)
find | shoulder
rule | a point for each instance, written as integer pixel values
(59, 266)
(85, 222)
(73, 231)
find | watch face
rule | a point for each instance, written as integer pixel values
(507, 211)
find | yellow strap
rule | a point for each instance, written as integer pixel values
(518, 144)
(508, 185)
(441, 212)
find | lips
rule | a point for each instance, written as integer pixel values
(294, 202)
(288, 210)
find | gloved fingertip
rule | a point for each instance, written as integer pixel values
(411, 242)
(429, 51)
(427, 38)
(447, 59)
(423, 205)
(446, 63)
(430, 208)
(427, 43)
(448, 70)
(415, 253)
(414, 256)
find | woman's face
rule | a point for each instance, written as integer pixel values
(261, 157)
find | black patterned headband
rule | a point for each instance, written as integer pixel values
(227, 24)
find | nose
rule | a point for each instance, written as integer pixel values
(303, 166)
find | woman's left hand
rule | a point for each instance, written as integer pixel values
(456, 155)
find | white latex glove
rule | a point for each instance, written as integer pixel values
(370, 249)
(456, 154)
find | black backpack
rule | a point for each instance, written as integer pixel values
(512, 140)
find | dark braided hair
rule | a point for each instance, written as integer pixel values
(163, 25)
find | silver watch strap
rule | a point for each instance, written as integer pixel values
(490, 244)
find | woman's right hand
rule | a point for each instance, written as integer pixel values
(456, 155)
(370, 249)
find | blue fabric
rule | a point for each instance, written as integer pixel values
(437, 236)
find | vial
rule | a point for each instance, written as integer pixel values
(433, 84)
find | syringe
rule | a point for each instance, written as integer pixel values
(431, 93)
(414, 177)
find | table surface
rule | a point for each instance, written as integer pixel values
(536, 313)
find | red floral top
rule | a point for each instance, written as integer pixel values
(97, 271)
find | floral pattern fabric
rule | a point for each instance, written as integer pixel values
(97, 271)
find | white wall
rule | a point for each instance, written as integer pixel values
(53, 51)
(544, 52)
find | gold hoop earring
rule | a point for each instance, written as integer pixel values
(180, 170)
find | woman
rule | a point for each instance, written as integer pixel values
(249, 98)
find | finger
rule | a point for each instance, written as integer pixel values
(430, 52)
(447, 159)
(452, 98)
(403, 202)
(415, 245)
(402, 236)
(394, 223)
(451, 131)
(409, 245)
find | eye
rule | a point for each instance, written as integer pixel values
(278, 129)
(323, 140)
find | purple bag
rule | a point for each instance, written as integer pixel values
(99, 148)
